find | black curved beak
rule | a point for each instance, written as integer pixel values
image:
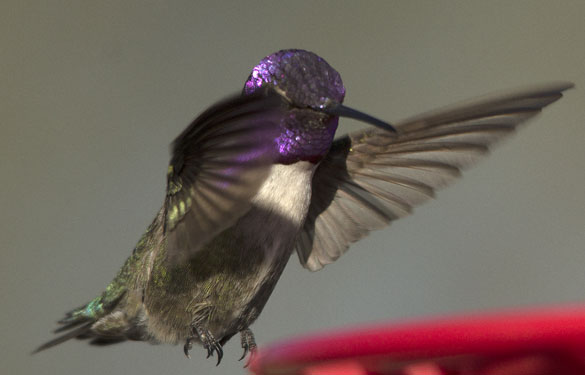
(343, 111)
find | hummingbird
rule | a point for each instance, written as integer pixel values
(259, 176)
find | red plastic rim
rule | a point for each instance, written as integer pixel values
(523, 342)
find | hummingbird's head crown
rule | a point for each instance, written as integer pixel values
(303, 78)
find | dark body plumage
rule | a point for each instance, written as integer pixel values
(258, 176)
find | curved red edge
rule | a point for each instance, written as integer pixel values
(557, 332)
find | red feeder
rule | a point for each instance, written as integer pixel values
(529, 342)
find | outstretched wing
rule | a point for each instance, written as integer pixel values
(218, 164)
(372, 177)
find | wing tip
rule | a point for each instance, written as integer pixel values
(563, 85)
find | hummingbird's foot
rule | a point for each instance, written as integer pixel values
(209, 342)
(248, 344)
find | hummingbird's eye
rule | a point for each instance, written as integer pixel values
(282, 93)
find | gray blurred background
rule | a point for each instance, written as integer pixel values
(93, 92)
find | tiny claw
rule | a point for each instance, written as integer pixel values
(187, 347)
(209, 342)
(248, 344)
(219, 351)
(245, 353)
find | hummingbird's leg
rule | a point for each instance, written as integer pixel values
(248, 344)
(209, 342)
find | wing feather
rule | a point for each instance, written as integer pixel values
(372, 177)
(218, 164)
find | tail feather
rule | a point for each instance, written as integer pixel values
(90, 320)
(78, 332)
(70, 324)
(77, 323)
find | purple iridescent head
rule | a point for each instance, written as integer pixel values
(304, 78)
(315, 93)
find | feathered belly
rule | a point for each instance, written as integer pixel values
(227, 283)
(268, 233)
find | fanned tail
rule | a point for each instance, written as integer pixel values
(76, 324)
(108, 319)
(79, 332)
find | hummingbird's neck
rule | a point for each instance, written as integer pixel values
(306, 136)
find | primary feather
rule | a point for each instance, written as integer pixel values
(372, 177)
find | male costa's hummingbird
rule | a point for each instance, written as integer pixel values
(258, 176)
